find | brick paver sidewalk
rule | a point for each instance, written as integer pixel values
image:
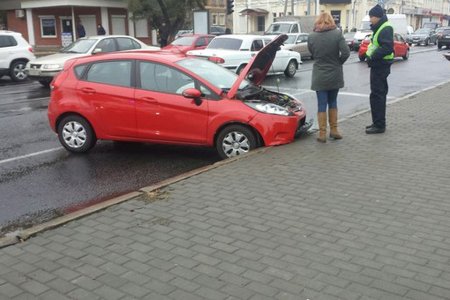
(367, 217)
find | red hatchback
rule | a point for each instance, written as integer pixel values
(401, 47)
(188, 42)
(162, 97)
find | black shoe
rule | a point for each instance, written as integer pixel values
(369, 126)
(375, 130)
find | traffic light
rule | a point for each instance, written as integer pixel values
(230, 6)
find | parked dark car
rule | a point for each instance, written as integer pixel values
(443, 38)
(422, 36)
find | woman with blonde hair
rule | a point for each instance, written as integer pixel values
(330, 51)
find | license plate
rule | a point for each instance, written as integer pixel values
(33, 72)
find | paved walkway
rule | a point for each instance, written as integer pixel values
(367, 217)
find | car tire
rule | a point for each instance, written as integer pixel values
(76, 134)
(235, 140)
(45, 83)
(362, 58)
(406, 56)
(291, 69)
(17, 71)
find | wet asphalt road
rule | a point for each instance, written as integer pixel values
(36, 186)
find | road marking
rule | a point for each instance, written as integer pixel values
(29, 155)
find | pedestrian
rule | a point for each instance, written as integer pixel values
(330, 51)
(80, 30)
(380, 55)
(163, 34)
(100, 30)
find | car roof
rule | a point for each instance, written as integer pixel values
(10, 32)
(241, 36)
(160, 55)
(197, 35)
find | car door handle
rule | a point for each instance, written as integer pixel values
(88, 91)
(148, 99)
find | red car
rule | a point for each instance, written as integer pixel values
(188, 42)
(167, 98)
(401, 47)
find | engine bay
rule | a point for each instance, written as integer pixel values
(257, 94)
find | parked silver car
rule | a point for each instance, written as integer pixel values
(45, 68)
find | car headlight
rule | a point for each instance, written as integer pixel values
(268, 108)
(52, 67)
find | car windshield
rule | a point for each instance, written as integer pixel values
(184, 41)
(213, 73)
(282, 27)
(80, 46)
(225, 43)
(423, 30)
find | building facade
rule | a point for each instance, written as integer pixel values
(254, 16)
(54, 23)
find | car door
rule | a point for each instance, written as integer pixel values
(162, 112)
(107, 89)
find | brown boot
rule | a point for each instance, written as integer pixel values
(332, 115)
(322, 120)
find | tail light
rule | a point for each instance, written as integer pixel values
(216, 59)
(30, 49)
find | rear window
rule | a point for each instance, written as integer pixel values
(111, 72)
(184, 41)
(225, 43)
(7, 41)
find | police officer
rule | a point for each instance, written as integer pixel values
(380, 55)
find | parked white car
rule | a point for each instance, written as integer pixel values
(15, 52)
(45, 68)
(235, 51)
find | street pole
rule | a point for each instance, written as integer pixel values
(308, 8)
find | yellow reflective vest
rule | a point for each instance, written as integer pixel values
(374, 43)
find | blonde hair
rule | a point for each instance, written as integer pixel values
(324, 22)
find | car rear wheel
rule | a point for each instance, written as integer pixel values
(17, 72)
(235, 140)
(406, 56)
(76, 134)
(291, 69)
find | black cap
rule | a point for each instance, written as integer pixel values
(376, 11)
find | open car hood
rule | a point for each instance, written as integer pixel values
(259, 65)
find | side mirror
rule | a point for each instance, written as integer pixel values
(97, 50)
(195, 94)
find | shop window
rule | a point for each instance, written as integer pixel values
(221, 19)
(261, 23)
(214, 19)
(48, 26)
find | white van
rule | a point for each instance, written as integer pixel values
(398, 22)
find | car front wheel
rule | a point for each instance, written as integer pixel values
(291, 69)
(76, 134)
(17, 72)
(235, 140)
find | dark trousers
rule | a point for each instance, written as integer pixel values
(378, 92)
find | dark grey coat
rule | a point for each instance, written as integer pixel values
(329, 51)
